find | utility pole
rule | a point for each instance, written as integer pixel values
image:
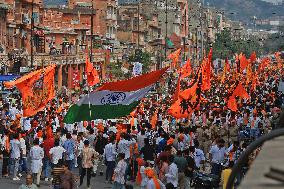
(31, 40)
(92, 31)
(166, 29)
(184, 39)
(138, 24)
(196, 43)
(201, 27)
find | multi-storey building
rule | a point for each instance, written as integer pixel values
(3, 26)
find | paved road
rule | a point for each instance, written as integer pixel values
(97, 182)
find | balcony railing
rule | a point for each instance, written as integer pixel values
(177, 21)
(110, 35)
(111, 16)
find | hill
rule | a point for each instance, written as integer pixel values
(245, 10)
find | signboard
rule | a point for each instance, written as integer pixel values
(137, 69)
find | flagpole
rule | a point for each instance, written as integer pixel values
(92, 31)
(138, 25)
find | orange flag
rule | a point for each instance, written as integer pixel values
(176, 111)
(210, 54)
(243, 62)
(225, 70)
(206, 74)
(227, 65)
(92, 74)
(249, 73)
(240, 91)
(264, 63)
(186, 69)
(174, 57)
(59, 76)
(37, 89)
(154, 120)
(232, 104)
(254, 82)
(189, 93)
(253, 57)
(176, 95)
(279, 60)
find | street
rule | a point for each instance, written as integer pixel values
(96, 182)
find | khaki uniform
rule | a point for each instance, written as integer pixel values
(199, 135)
(234, 132)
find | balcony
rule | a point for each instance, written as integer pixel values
(111, 16)
(110, 35)
(177, 20)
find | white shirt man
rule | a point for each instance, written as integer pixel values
(23, 147)
(110, 152)
(124, 147)
(218, 154)
(26, 124)
(172, 175)
(15, 156)
(56, 154)
(198, 157)
(165, 125)
(119, 172)
(14, 111)
(36, 155)
(15, 149)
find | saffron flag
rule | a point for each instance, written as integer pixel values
(178, 111)
(264, 63)
(210, 54)
(225, 70)
(176, 95)
(254, 82)
(227, 65)
(114, 99)
(243, 62)
(189, 93)
(206, 74)
(92, 74)
(186, 69)
(59, 76)
(174, 57)
(240, 91)
(37, 89)
(279, 60)
(253, 57)
(249, 73)
(232, 104)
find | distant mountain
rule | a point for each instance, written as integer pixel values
(245, 10)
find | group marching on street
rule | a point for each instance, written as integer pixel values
(190, 126)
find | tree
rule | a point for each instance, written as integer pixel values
(225, 46)
(142, 57)
(275, 42)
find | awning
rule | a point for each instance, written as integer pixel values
(8, 77)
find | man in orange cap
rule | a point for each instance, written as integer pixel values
(153, 182)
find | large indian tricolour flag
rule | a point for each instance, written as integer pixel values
(114, 99)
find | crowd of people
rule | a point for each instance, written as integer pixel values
(149, 147)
